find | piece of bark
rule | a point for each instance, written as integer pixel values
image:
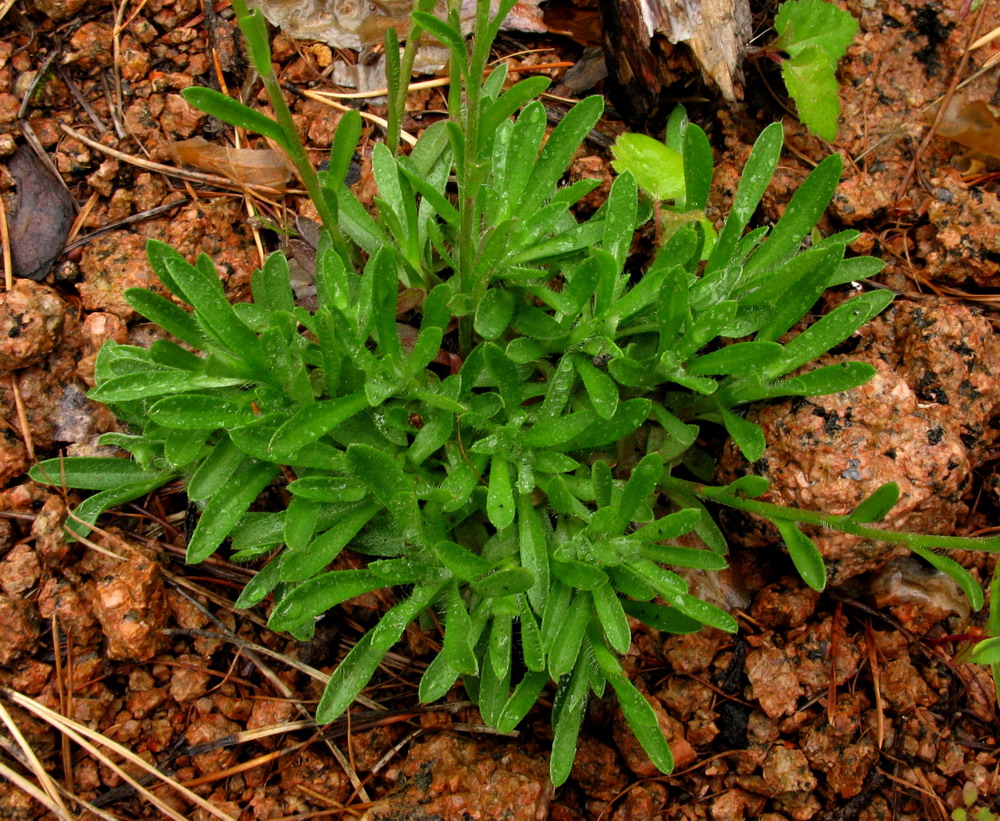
(716, 32)
(44, 215)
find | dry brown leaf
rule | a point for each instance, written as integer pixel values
(973, 125)
(249, 166)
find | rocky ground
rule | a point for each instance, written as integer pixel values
(854, 704)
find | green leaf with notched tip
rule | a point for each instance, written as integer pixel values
(812, 82)
(658, 170)
(805, 24)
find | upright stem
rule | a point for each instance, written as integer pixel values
(255, 31)
(397, 96)
(297, 154)
(470, 186)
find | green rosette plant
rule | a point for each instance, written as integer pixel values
(532, 490)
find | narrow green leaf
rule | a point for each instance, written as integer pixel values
(449, 36)
(788, 294)
(358, 224)
(802, 213)
(567, 717)
(500, 498)
(639, 486)
(612, 616)
(271, 285)
(305, 564)
(684, 557)
(213, 310)
(522, 152)
(747, 435)
(630, 414)
(431, 195)
(961, 576)
(524, 697)
(315, 597)
(315, 421)
(255, 440)
(670, 526)
(986, 652)
(559, 149)
(737, 358)
(162, 258)
(383, 271)
(91, 472)
(531, 637)
(460, 561)
(554, 614)
(698, 168)
(877, 506)
(644, 723)
(672, 313)
(224, 461)
(601, 483)
(620, 219)
(843, 376)
(199, 412)
(580, 575)
(505, 376)
(169, 316)
(600, 388)
(345, 142)
(330, 489)
(510, 101)
(550, 432)
(756, 176)
(437, 680)
(225, 509)
(500, 643)
(146, 384)
(506, 582)
(170, 354)
(533, 546)
(833, 328)
(234, 112)
(301, 517)
(93, 506)
(182, 447)
(806, 557)
(360, 664)
(855, 269)
(566, 649)
(673, 589)
(263, 582)
(660, 617)
(494, 313)
(458, 645)
(494, 687)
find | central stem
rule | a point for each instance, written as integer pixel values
(470, 174)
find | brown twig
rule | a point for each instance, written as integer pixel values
(22, 418)
(876, 684)
(831, 700)
(130, 220)
(63, 687)
(8, 263)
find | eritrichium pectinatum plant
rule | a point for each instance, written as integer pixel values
(532, 490)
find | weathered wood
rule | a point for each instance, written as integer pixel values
(715, 31)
